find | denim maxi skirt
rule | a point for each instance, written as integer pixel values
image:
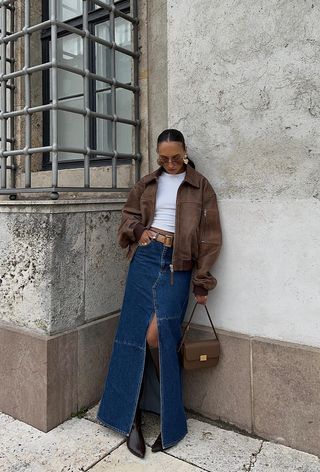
(148, 290)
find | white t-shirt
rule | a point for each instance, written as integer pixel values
(165, 209)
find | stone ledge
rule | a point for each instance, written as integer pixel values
(61, 206)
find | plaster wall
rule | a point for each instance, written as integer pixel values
(244, 88)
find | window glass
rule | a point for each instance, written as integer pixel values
(123, 33)
(124, 103)
(124, 66)
(70, 129)
(104, 127)
(124, 138)
(103, 54)
(67, 9)
(123, 62)
(107, 2)
(70, 85)
(70, 52)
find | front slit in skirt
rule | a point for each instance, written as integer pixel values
(148, 290)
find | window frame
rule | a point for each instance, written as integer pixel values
(95, 16)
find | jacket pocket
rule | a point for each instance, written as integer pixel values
(204, 226)
(195, 244)
(208, 225)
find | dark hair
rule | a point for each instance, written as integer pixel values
(172, 134)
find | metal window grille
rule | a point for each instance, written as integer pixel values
(10, 74)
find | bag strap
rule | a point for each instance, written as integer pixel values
(188, 324)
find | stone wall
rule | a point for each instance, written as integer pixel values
(60, 263)
(61, 287)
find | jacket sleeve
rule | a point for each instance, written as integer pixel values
(131, 228)
(210, 242)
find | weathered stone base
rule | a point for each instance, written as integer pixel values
(45, 379)
(262, 386)
(267, 387)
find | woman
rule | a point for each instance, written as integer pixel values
(170, 224)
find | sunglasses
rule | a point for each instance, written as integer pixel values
(173, 160)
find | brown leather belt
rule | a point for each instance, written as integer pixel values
(165, 237)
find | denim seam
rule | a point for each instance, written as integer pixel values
(175, 442)
(128, 344)
(140, 384)
(105, 381)
(111, 426)
(171, 317)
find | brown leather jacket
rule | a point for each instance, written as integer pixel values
(198, 238)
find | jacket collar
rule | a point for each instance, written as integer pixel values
(192, 176)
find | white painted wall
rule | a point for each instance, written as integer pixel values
(244, 88)
(268, 272)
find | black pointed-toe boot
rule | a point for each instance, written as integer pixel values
(135, 440)
(157, 445)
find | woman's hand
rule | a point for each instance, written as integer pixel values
(202, 299)
(145, 237)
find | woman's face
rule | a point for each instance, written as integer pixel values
(171, 154)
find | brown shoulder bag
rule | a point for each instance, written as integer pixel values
(201, 350)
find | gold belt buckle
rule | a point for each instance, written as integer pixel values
(168, 241)
(156, 235)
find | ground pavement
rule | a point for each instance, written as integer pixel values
(83, 444)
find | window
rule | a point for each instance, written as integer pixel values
(75, 73)
(102, 135)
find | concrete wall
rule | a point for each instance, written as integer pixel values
(243, 86)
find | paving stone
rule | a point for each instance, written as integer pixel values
(5, 419)
(205, 446)
(215, 449)
(122, 460)
(72, 446)
(150, 424)
(84, 444)
(91, 414)
(278, 458)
